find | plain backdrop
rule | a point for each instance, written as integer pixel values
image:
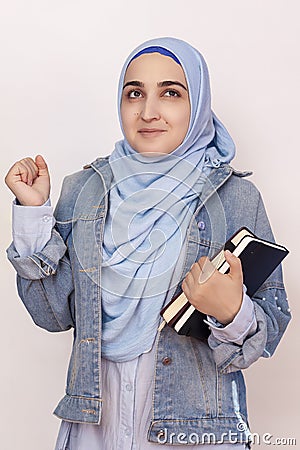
(60, 61)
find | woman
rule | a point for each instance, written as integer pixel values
(130, 231)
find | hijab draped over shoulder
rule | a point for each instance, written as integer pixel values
(151, 203)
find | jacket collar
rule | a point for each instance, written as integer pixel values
(217, 177)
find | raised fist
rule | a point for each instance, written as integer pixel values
(29, 181)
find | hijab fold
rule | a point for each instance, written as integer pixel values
(151, 203)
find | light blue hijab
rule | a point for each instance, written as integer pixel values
(151, 203)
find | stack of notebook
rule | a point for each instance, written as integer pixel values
(259, 259)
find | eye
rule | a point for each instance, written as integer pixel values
(171, 93)
(134, 94)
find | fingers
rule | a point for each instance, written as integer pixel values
(29, 181)
(206, 268)
(186, 289)
(235, 264)
(28, 170)
(189, 280)
(24, 171)
(203, 269)
(41, 165)
(200, 271)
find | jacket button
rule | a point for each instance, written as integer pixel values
(166, 360)
(201, 225)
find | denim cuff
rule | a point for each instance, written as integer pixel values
(39, 264)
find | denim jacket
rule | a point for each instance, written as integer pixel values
(199, 387)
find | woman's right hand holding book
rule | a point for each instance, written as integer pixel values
(29, 180)
(213, 293)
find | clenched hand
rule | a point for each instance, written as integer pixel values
(29, 181)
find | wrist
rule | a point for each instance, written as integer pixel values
(32, 202)
(226, 317)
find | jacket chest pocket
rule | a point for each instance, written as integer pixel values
(209, 229)
(203, 241)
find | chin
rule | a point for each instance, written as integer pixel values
(152, 152)
(152, 149)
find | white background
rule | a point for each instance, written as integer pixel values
(59, 66)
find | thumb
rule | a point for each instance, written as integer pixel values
(41, 164)
(235, 264)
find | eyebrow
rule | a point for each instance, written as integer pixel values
(160, 84)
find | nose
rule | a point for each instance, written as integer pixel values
(150, 109)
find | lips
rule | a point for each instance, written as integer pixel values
(151, 132)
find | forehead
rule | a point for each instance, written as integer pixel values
(156, 67)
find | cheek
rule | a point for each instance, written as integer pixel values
(177, 112)
(181, 120)
(127, 118)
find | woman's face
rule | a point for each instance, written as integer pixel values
(155, 106)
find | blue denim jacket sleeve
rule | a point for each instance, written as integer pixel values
(45, 282)
(272, 315)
